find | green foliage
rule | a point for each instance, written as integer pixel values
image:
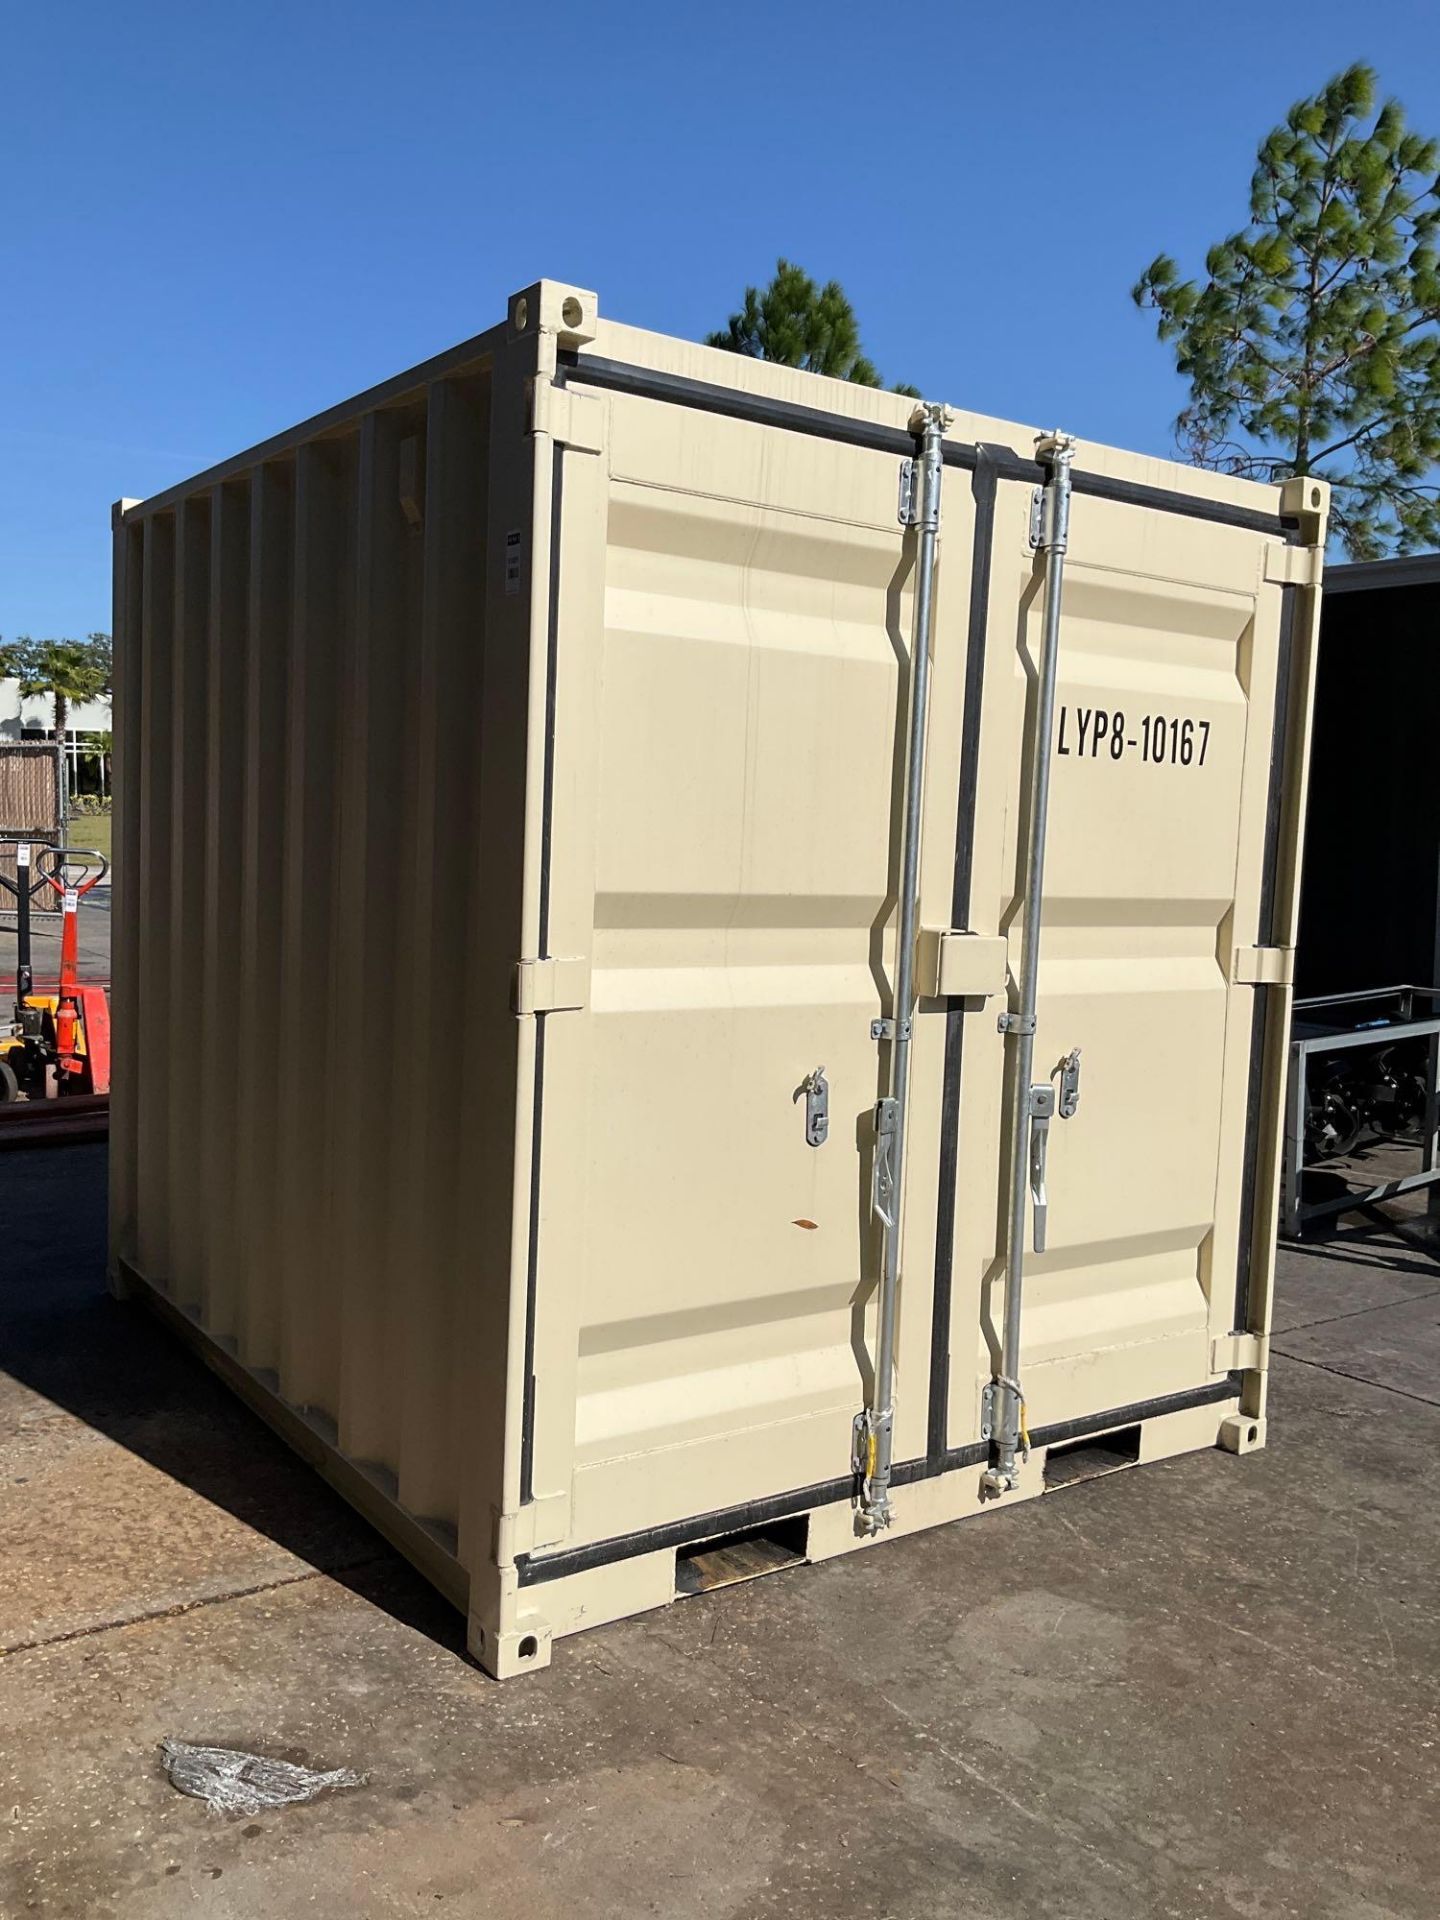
(67, 671)
(799, 324)
(1313, 343)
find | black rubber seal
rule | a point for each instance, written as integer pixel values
(547, 811)
(535, 1569)
(1265, 937)
(616, 376)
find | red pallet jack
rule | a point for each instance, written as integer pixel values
(58, 1045)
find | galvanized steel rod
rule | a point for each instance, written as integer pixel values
(1019, 1025)
(875, 1429)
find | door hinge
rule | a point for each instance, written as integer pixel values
(1263, 967)
(908, 510)
(551, 986)
(1240, 1353)
(542, 1522)
(1287, 566)
(574, 420)
(1036, 529)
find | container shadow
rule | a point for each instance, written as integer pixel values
(117, 1369)
(1374, 1235)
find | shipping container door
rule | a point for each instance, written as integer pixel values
(733, 619)
(1162, 747)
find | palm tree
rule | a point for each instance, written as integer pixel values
(100, 748)
(65, 671)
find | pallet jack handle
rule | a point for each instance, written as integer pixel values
(22, 890)
(54, 866)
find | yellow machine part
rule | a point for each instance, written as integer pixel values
(48, 1002)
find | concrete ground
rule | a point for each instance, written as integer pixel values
(1200, 1688)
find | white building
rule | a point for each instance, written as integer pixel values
(32, 719)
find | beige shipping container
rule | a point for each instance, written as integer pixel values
(524, 1093)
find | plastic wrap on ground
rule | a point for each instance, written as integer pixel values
(233, 1782)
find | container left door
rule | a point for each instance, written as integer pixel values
(731, 639)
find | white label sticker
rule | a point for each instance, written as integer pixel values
(72, 900)
(513, 543)
(22, 854)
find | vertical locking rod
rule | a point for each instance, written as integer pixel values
(875, 1426)
(1057, 450)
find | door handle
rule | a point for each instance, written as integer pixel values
(882, 1177)
(1041, 1108)
(1043, 1105)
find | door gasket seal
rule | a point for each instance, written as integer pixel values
(790, 416)
(535, 1569)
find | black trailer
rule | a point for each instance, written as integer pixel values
(1370, 890)
(1364, 1049)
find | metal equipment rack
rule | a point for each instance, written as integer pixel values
(1333, 1023)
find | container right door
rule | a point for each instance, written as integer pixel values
(1162, 747)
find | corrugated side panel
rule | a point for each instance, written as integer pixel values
(299, 695)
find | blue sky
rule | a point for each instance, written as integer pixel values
(217, 220)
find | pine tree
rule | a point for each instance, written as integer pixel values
(1312, 346)
(799, 324)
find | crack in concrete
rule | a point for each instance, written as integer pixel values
(179, 1607)
(1359, 1379)
(1356, 1313)
(1052, 1823)
(1118, 1863)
